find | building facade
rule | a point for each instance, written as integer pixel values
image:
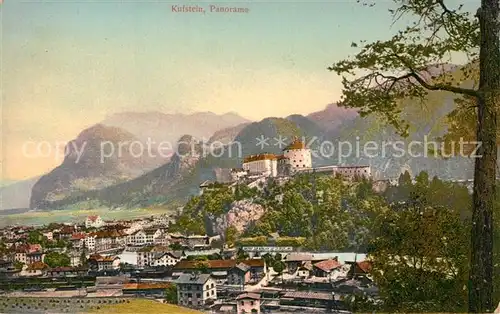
(262, 164)
(94, 222)
(196, 290)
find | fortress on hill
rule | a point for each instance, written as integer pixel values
(296, 158)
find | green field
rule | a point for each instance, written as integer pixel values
(144, 306)
(76, 216)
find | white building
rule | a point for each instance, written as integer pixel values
(137, 238)
(167, 259)
(90, 242)
(262, 164)
(49, 235)
(194, 290)
(152, 234)
(94, 222)
(297, 155)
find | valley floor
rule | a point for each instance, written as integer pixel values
(33, 218)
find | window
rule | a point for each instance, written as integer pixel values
(242, 302)
(190, 295)
(251, 303)
(198, 295)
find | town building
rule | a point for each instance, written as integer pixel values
(94, 222)
(35, 269)
(196, 290)
(103, 263)
(78, 240)
(326, 268)
(167, 259)
(248, 303)
(34, 257)
(90, 241)
(66, 272)
(147, 256)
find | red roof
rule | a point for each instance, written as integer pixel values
(92, 218)
(143, 286)
(38, 266)
(328, 265)
(78, 236)
(34, 247)
(365, 266)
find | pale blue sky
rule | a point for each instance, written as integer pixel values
(67, 64)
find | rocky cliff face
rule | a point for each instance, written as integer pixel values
(240, 216)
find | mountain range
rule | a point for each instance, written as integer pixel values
(127, 181)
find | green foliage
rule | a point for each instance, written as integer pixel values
(253, 241)
(420, 256)
(202, 266)
(18, 265)
(436, 33)
(231, 235)
(36, 237)
(175, 247)
(171, 294)
(213, 202)
(291, 241)
(56, 259)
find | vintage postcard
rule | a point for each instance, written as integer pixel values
(249, 156)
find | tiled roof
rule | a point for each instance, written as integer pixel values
(254, 262)
(260, 157)
(365, 266)
(67, 268)
(78, 236)
(145, 286)
(327, 265)
(92, 218)
(308, 295)
(243, 267)
(193, 279)
(253, 296)
(295, 144)
(38, 266)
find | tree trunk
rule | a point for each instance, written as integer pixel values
(481, 270)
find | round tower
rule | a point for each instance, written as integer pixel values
(298, 155)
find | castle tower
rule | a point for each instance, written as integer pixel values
(298, 155)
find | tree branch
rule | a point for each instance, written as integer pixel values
(443, 87)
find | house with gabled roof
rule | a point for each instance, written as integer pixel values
(326, 268)
(196, 290)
